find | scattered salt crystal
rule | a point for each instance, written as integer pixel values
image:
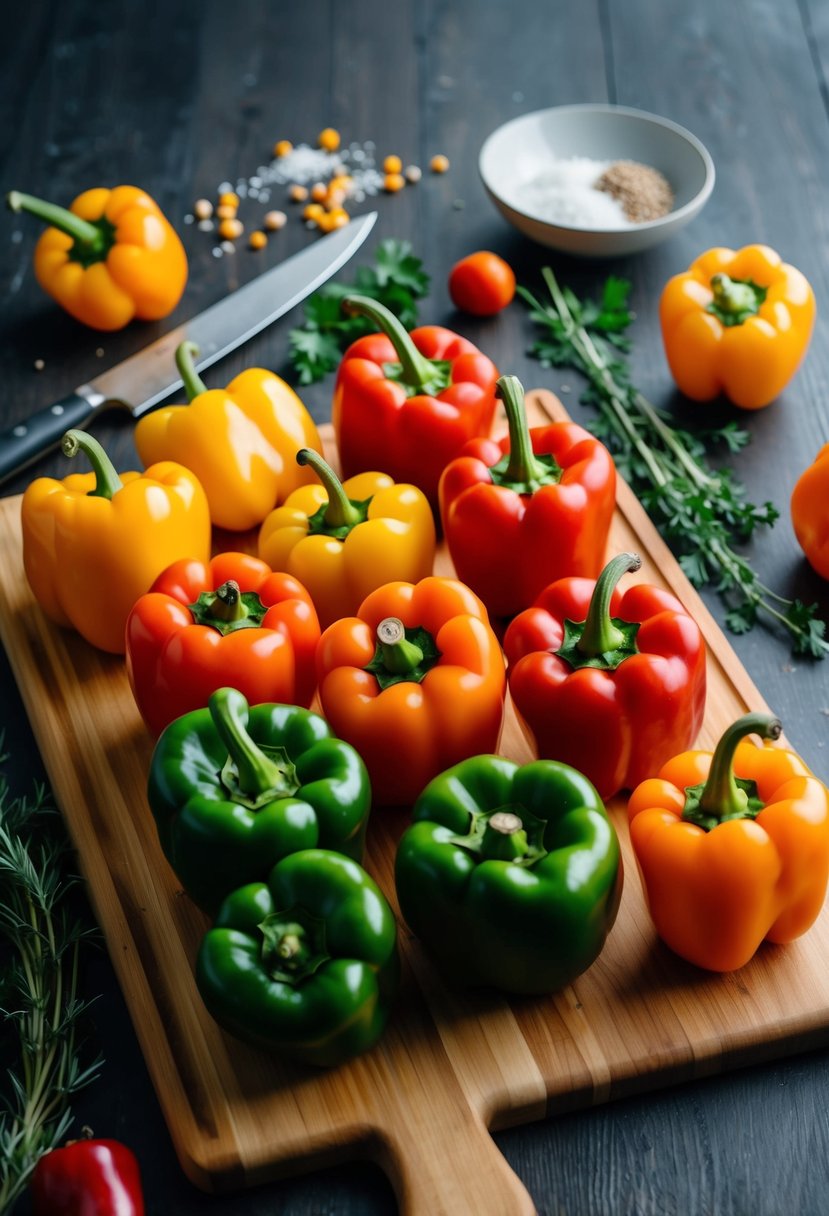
(217, 252)
(225, 188)
(564, 193)
(205, 225)
(188, 219)
(255, 181)
(228, 247)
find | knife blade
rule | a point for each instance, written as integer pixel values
(147, 378)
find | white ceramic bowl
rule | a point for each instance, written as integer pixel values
(520, 150)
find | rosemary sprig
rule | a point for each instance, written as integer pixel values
(703, 511)
(40, 937)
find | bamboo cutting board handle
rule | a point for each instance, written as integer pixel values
(457, 1169)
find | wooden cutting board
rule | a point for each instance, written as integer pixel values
(450, 1066)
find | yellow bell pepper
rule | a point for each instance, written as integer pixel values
(240, 442)
(737, 323)
(94, 542)
(343, 540)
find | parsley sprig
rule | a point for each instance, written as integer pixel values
(703, 511)
(397, 279)
(40, 938)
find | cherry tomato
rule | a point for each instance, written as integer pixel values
(481, 283)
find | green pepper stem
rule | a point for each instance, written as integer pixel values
(523, 466)
(732, 297)
(340, 512)
(186, 352)
(59, 217)
(399, 655)
(721, 797)
(600, 635)
(504, 837)
(258, 774)
(107, 481)
(228, 604)
(417, 369)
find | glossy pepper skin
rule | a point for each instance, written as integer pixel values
(235, 788)
(733, 849)
(87, 1178)
(94, 542)
(415, 682)
(111, 257)
(510, 875)
(203, 625)
(525, 510)
(343, 540)
(810, 512)
(407, 403)
(737, 322)
(306, 964)
(612, 684)
(240, 441)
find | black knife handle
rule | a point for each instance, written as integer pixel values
(31, 437)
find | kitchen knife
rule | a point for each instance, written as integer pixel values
(150, 376)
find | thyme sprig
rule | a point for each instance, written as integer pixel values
(701, 510)
(40, 938)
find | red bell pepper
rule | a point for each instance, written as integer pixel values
(522, 511)
(405, 404)
(611, 684)
(87, 1178)
(230, 622)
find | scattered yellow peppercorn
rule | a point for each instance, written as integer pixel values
(274, 220)
(329, 139)
(394, 182)
(225, 211)
(338, 217)
(439, 164)
(229, 230)
(319, 192)
(340, 181)
(202, 209)
(298, 194)
(229, 199)
(282, 147)
(334, 198)
(258, 240)
(313, 211)
(392, 164)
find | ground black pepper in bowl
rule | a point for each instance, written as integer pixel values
(642, 191)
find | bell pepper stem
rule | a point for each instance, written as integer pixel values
(399, 655)
(258, 774)
(340, 512)
(504, 837)
(721, 796)
(186, 352)
(228, 604)
(86, 234)
(107, 481)
(600, 635)
(734, 297)
(417, 369)
(522, 466)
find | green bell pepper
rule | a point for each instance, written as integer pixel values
(306, 964)
(235, 788)
(511, 876)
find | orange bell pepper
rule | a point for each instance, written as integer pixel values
(111, 257)
(415, 682)
(737, 323)
(94, 542)
(344, 540)
(733, 849)
(240, 441)
(810, 512)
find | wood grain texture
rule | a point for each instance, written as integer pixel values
(451, 1065)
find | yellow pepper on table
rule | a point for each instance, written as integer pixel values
(110, 257)
(738, 323)
(240, 441)
(810, 512)
(343, 540)
(94, 542)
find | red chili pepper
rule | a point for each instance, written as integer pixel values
(531, 508)
(87, 1178)
(405, 404)
(232, 622)
(611, 684)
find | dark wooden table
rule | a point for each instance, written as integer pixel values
(182, 96)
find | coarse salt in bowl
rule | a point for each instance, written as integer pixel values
(539, 171)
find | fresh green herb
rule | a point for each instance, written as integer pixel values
(40, 936)
(703, 511)
(397, 279)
